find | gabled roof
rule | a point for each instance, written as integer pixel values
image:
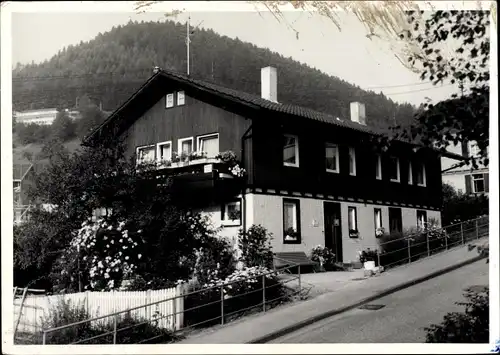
(250, 100)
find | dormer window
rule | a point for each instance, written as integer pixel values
(169, 101)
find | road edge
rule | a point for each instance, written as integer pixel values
(388, 291)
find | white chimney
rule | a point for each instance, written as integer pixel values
(358, 113)
(269, 84)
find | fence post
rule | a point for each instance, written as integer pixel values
(300, 283)
(477, 229)
(264, 293)
(87, 302)
(409, 252)
(446, 240)
(428, 247)
(222, 304)
(147, 311)
(462, 232)
(114, 329)
(378, 258)
(44, 336)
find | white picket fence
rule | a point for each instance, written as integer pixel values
(103, 303)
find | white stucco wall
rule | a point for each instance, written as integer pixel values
(214, 214)
(267, 210)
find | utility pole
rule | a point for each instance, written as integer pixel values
(187, 42)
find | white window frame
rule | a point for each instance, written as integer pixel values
(181, 98)
(337, 157)
(474, 185)
(226, 221)
(166, 100)
(296, 164)
(352, 152)
(398, 178)
(379, 166)
(182, 140)
(410, 174)
(137, 149)
(199, 138)
(424, 179)
(158, 150)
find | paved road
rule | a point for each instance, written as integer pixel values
(404, 316)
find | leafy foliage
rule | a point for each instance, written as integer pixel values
(255, 245)
(323, 256)
(115, 64)
(461, 207)
(470, 326)
(462, 118)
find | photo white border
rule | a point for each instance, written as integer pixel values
(7, 213)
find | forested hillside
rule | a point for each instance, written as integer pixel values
(114, 64)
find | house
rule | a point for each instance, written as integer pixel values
(464, 177)
(22, 178)
(40, 116)
(310, 179)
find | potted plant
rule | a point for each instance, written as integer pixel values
(353, 233)
(379, 232)
(324, 257)
(368, 258)
(291, 234)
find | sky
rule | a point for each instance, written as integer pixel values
(347, 54)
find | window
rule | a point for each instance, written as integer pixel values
(352, 161)
(169, 101)
(421, 180)
(478, 183)
(421, 219)
(410, 174)
(353, 222)
(164, 151)
(291, 221)
(231, 213)
(181, 99)
(395, 220)
(332, 158)
(145, 154)
(290, 151)
(394, 169)
(209, 144)
(185, 145)
(378, 167)
(473, 149)
(378, 218)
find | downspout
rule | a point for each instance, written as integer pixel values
(244, 204)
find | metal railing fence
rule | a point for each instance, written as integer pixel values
(221, 307)
(429, 241)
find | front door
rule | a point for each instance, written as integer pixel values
(333, 229)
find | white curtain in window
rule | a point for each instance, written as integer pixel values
(289, 215)
(166, 152)
(352, 218)
(146, 154)
(210, 145)
(187, 146)
(378, 219)
(289, 150)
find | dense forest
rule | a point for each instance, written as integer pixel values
(114, 64)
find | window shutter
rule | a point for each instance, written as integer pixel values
(468, 184)
(487, 182)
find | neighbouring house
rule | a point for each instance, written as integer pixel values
(40, 116)
(22, 178)
(310, 178)
(464, 177)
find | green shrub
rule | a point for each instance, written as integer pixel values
(470, 326)
(65, 313)
(255, 245)
(324, 256)
(368, 255)
(214, 259)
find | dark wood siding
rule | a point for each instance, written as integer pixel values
(312, 177)
(195, 118)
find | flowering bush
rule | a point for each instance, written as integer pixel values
(214, 260)
(241, 291)
(229, 158)
(324, 256)
(109, 251)
(237, 171)
(255, 246)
